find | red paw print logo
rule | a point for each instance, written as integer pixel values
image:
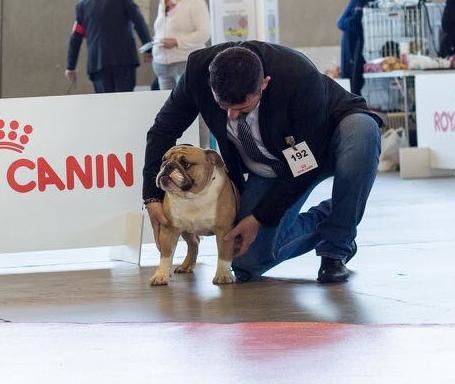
(13, 137)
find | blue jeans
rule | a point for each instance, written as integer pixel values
(168, 74)
(329, 227)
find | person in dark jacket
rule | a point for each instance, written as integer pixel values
(447, 47)
(352, 60)
(270, 109)
(112, 55)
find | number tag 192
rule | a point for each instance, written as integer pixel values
(300, 159)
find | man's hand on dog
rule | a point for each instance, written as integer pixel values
(157, 218)
(243, 234)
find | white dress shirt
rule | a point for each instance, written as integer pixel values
(253, 121)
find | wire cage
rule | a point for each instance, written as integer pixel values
(391, 28)
(386, 94)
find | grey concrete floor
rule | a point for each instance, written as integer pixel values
(403, 274)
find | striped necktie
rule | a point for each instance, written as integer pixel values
(252, 150)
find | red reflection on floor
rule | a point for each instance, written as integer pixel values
(251, 353)
(325, 353)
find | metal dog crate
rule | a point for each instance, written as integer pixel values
(391, 28)
(385, 93)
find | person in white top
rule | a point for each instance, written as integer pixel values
(181, 27)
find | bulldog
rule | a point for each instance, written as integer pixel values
(200, 199)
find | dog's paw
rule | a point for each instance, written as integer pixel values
(184, 269)
(159, 278)
(225, 277)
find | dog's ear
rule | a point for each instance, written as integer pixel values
(214, 158)
(167, 154)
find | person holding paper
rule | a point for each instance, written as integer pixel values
(181, 27)
(277, 119)
(112, 58)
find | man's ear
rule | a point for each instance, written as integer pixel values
(214, 158)
(265, 83)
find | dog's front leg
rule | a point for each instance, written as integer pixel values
(168, 241)
(223, 273)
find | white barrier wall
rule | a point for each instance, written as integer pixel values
(435, 106)
(71, 169)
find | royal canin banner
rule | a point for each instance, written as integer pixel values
(435, 107)
(71, 169)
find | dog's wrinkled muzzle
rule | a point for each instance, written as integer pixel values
(171, 176)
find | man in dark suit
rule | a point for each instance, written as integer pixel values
(286, 125)
(112, 56)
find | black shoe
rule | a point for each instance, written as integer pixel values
(332, 271)
(354, 251)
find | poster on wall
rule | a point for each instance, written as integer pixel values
(233, 20)
(435, 108)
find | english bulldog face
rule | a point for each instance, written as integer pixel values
(186, 169)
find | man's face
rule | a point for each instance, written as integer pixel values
(250, 103)
(234, 110)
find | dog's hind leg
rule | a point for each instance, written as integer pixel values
(189, 263)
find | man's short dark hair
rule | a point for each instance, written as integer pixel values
(235, 73)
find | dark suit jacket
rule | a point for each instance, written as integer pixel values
(108, 27)
(299, 101)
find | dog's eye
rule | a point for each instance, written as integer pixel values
(185, 164)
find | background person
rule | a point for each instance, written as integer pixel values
(181, 27)
(112, 54)
(447, 47)
(261, 99)
(352, 60)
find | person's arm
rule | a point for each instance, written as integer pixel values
(344, 22)
(135, 15)
(174, 118)
(307, 111)
(77, 35)
(200, 18)
(157, 218)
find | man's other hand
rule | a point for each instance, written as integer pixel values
(157, 218)
(243, 234)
